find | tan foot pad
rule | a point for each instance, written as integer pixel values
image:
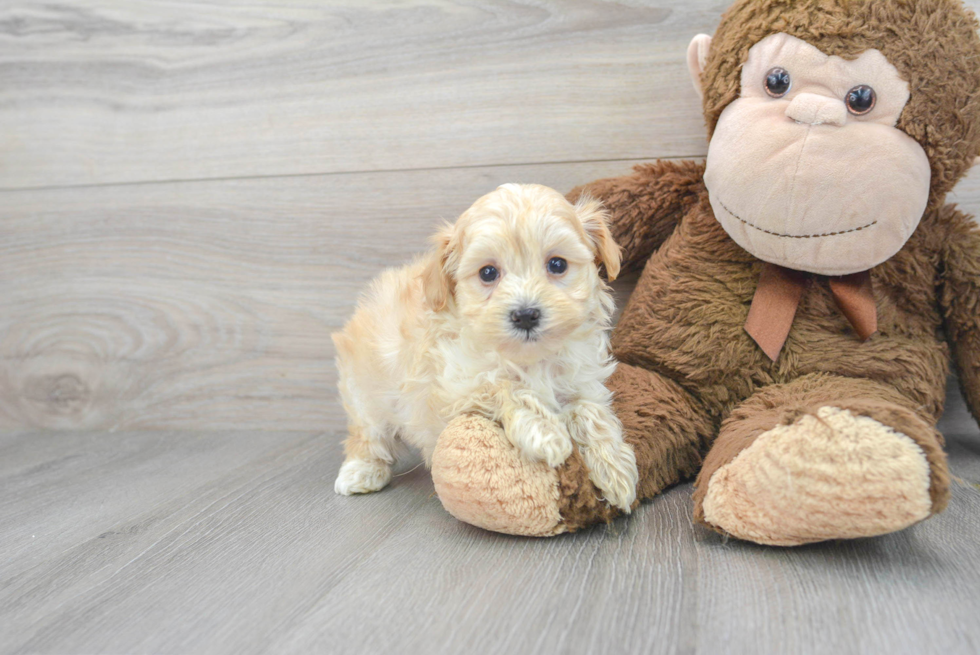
(830, 476)
(482, 480)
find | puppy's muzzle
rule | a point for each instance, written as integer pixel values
(526, 319)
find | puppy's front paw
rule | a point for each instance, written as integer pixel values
(539, 439)
(612, 468)
(358, 476)
(611, 461)
(551, 445)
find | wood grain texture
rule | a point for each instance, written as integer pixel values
(247, 549)
(98, 91)
(192, 195)
(209, 305)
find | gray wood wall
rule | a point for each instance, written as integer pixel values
(192, 194)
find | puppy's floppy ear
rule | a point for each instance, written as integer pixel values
(437, 281)
(596, 225)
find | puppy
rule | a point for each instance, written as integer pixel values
(507, 318)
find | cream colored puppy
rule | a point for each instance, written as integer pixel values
(508, 318)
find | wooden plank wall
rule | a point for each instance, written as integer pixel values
(192, 194)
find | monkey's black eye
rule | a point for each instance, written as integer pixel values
(557, 266)
(778, 82)
(489, 273)
(861, 99)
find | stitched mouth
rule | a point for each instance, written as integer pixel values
(795, 236)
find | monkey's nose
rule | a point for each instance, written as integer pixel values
(526, 318)
(814, 109)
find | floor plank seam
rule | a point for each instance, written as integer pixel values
(327, 174)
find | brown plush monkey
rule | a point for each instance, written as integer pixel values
(802, 292)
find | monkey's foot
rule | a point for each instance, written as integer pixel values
(833, 475)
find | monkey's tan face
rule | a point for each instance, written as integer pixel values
(807, 170)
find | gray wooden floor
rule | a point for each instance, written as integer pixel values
(191, 196)
(232, 542)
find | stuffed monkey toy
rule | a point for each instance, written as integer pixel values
(802, 291)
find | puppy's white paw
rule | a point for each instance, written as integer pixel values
(550, 445)
(358, 476)
(612, 468)
(611, 461)
(539, 439)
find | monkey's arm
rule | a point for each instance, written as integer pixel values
(960, 300)
(645, 207)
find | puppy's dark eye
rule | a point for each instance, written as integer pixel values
(557, 266)
(861, 99)
(489, 273)
(778, 82)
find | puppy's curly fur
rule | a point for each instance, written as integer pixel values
(507, 317)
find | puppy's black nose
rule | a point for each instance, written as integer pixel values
(526, 319)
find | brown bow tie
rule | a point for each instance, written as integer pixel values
(779, 293)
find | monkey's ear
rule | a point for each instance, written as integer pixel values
(697, 58)
(437, 282)
(596, 225)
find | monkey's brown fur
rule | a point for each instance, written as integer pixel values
(693, 390)
(688, 367)
(683, 325)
